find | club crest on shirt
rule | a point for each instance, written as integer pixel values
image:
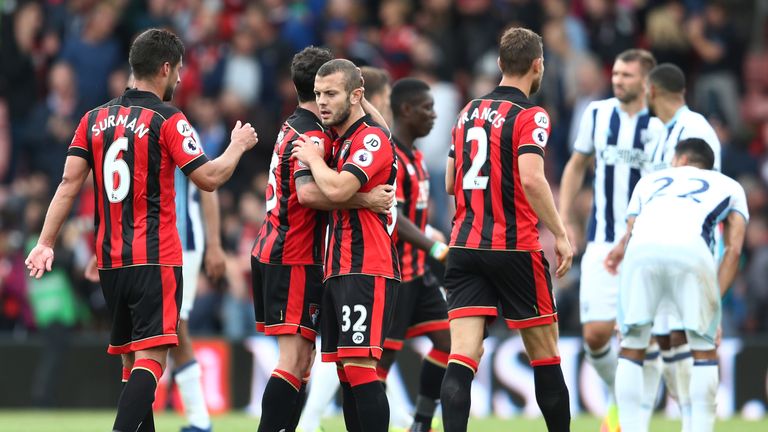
(363, 158)
(540, 136)
(345, 148)
(372, 142)
(184, 128)
(541, 119)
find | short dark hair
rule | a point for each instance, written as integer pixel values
(151, 50)
(304, 68)
(698, 152)
(405, 91)
(352, 77)
(518, 48)
(375, 79)
(668, 77)
(645, 58)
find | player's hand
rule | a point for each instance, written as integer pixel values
(439, 251)
(305, 150)
(215, 262)
(564, 254)
(244, 135)
(380, 199)
(39, 260)
(91, 270)
(614, 258)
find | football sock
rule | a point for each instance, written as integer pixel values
(432, 373)
(301, 400)
(455, 392)
(629, 395)
(683, 376)
(187, 378)
(704, 381)
(604, 361)
(370, 398)
(651, 381)
(138, 394)
(552, 394)
(348, 405)
(321, 392)
(278, 402)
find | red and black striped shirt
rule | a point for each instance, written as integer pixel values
(360, 240)
(492, 211)
(292, 234)
(133, 144)
(413, 198)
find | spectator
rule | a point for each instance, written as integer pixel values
(94, 53)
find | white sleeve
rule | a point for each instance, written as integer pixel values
(706, 132)
(739, 201)
(585, 142)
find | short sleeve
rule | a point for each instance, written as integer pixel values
(79, 145)
(739, 201)
(585, 136)
(181, 142)
(705, 131)
(369, 153)
(533, 127)
(320, 139)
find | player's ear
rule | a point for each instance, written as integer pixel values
(356, 96)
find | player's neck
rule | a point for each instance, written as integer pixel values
(403, 135)
(522, 83)
(310, 106)
(356, 114)
(666, 110)
(633, 107)
(149, 86)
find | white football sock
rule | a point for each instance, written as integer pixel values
(323, 387)
(669, 371)
(629, 396)
(651, 381)
(187, 378)
(704, 382)
(684, 369)
(604, 361)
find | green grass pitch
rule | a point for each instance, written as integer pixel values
(101, 421)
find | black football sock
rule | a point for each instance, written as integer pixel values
(348, 405)
(370, 398)
(279, 401)
(552, 394)
(135, 405)
(432, 373)
(455, 392)
(301, 400)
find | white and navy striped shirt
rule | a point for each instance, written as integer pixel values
(620, 144)
(189, 220)
(685, 124)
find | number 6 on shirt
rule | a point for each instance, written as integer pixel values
(113, 165)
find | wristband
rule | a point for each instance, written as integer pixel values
(438, 251)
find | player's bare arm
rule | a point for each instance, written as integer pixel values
(375, 114)
(213, 174)
(733, 237)
(380, 199)
(408, 232)
(338, 187)
(539, 195)
(215, 258)
(570, 184)
(616, 255)
(450, 176)
(40, 258)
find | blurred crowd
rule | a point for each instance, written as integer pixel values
(61, 58)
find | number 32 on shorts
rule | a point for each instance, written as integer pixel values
(359, 325)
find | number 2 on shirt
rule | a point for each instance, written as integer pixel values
(472, 180)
